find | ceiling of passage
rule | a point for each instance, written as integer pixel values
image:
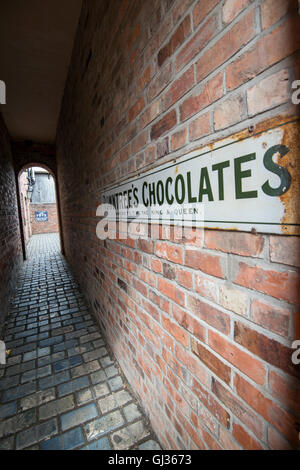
(36, 42)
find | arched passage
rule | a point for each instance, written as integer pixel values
(38, 215)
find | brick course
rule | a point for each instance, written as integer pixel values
(201, 332)
(10, 241)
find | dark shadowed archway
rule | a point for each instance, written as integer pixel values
(27, 153)
(35, 155)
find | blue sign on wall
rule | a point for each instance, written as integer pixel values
(41, 216)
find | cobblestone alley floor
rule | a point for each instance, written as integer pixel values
(60, 388)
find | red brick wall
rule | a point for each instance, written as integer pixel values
(203, 333)
(44, 227)
(10, 242)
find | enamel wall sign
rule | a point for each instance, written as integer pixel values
(247, 184)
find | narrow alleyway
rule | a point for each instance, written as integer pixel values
(60, 388)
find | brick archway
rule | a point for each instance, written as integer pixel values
(27, 155)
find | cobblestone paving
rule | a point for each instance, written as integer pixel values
(60, 387)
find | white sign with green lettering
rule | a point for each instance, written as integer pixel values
(236, 185)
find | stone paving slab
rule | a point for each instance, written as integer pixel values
(61, 389)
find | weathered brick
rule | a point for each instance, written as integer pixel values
(175, 331)
(210, 264)
(178, 139)
(201, 10)
(157, 266)
(146, 246)
(169, 271)
(232, 8)
(160, 82)
(266, 348)
(194, 435)
(276, 440)
(196, 43)
(192, 364)
(268, 93)
(178, 89)
(185, 278)
(247, 364)
(161, 302)
(200, 126)
(227, 441)
(147, 277)
(275, 415)
(136, 108)
(152, 338)
(162, 147)
(209, 314)
(239, 35)
(144, 79)
(268, 50)
(272, 318)
(279, 284)
(171, 291)
(244, 244)
(206, 417)
(229, 112)
(164, 125)
(238, 408)
(150, 114)
(125, 153)
(211, 404)
(234, 300)
(169, 252)
(139, 142)
(285, 250)
(181, 33)
(209, 93)
(150, 155)
(286, 389)
(211, 361)
(188, 322)
(206, 287)
(245, 439)
(273, 10)
(140, 287)
(180, 9)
